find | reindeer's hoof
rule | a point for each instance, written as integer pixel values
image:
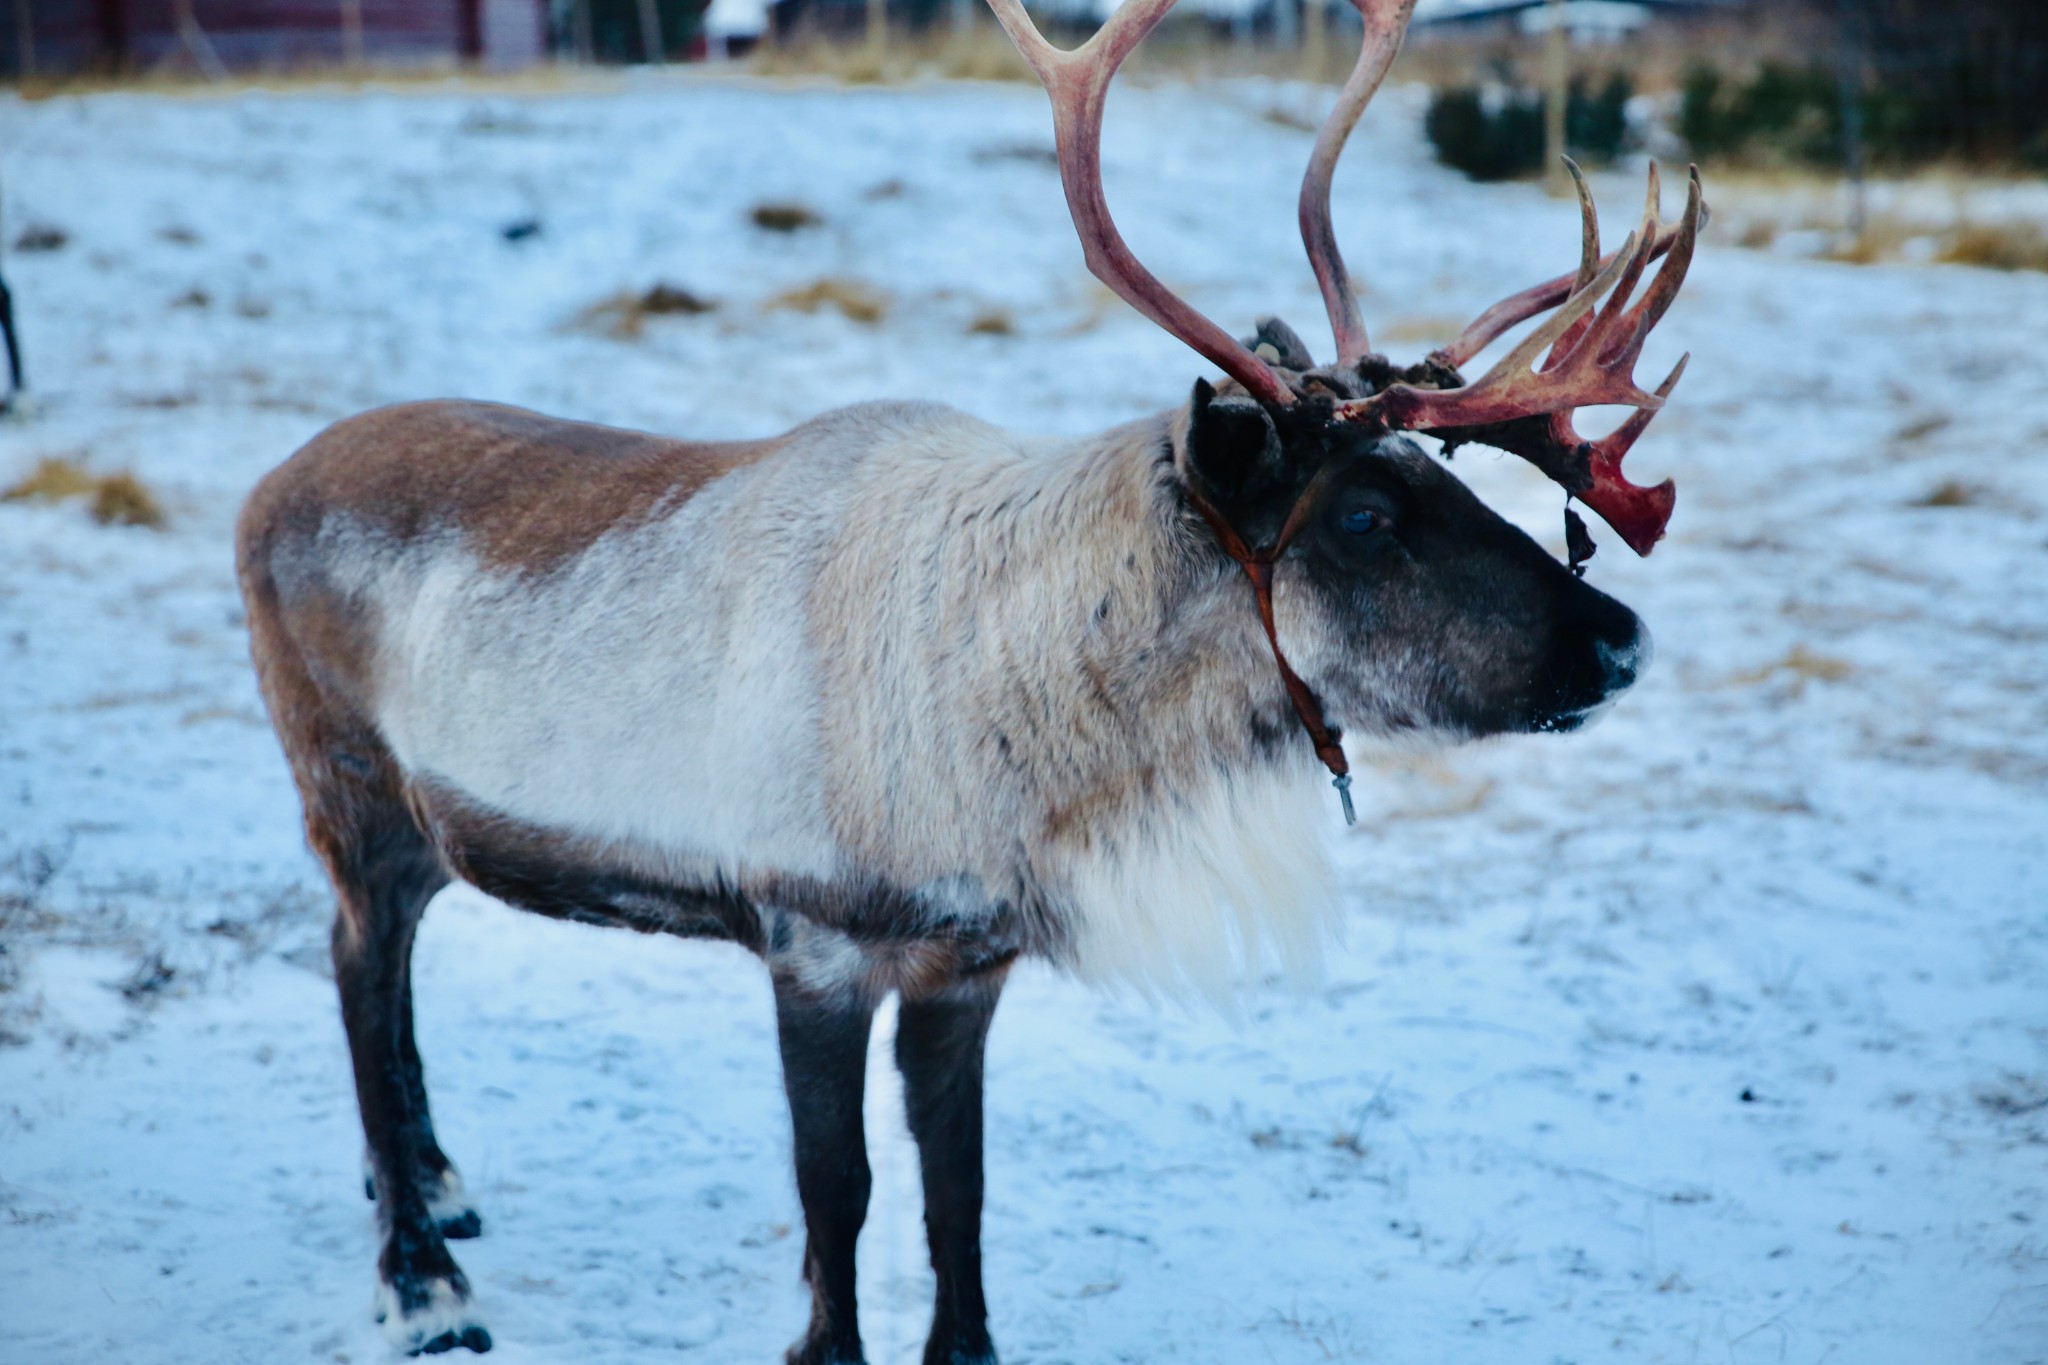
(430, 1316)
(810, 1352)
(475, 1338)
(461, 1226)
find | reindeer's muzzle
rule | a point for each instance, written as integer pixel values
(1598, 651)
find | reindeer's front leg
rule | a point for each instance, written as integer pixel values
(939, 1045)
(824, 1036)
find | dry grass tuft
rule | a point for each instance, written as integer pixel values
(1882, 239)
(623, 316)
(1758, 234)
(54, 479)
(115, 499)
(785, 217)
(1802, 666)
(123, 500)
(981, 54)
(1920, 428)
(1282, 117)
(992, 322)
(1950, 493)
(2000, 246)
(41, 237)
(857, 302)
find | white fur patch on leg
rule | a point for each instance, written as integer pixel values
(1232, 882)
(446, 1320)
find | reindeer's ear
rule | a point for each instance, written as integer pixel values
(1234, 449)
(1278, 344)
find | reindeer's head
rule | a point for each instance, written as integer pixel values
(1413, 607)
(1431, 612)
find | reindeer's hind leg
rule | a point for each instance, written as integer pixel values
(384, 871)
(447, 1200)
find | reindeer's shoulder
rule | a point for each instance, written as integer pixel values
(890, 424)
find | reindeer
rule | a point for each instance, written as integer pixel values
(897, 698)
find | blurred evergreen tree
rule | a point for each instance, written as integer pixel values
(1963, 80)
(1502, 138)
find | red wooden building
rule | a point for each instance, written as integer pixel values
(56, 37)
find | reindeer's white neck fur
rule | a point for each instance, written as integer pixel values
(1048, 682)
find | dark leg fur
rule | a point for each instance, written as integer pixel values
(939, 1047)
(385, 873)
(456, 1218)
(824, 1064)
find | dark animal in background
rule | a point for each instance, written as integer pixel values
(15, 383)
(898, 697)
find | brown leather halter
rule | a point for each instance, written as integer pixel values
(1258, 566)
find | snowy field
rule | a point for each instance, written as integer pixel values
(1718, 1034)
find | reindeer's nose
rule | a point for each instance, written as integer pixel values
(1598, 651)
(1626, 660)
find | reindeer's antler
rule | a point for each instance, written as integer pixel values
(1078, 83)
(1385, 23)
(1525, 409)
(1516, 309)
(1592, 356)
(1517, 405)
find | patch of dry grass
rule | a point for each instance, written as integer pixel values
(1943, 216)
(623, 316)
(852, 299)
(55, 478)
(41, 237)
(1950, 493)
(785, 217)
(1184, 45)
(1999, 246)
(124, 500)
(1280, 116)
(426, 78)
(992, 322)
(981, 54)
(1802, 666)
(118, 499)
(1883, 238)
(1924, 426)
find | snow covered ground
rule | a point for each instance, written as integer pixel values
(1717, 1034)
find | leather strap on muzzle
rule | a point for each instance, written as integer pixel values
(1258, 567)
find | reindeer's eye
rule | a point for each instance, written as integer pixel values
(1363, 521)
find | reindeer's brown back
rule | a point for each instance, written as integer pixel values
(524, 491)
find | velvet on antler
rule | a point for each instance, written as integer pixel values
(1526, 408)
